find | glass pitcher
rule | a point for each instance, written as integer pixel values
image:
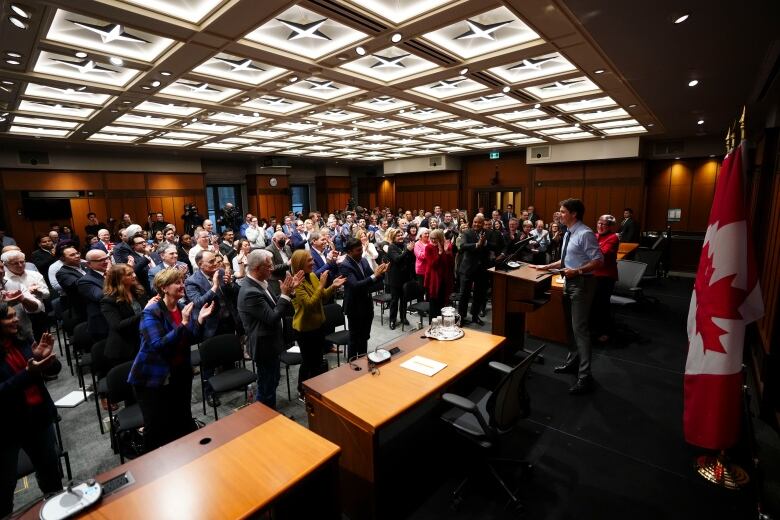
(450, 319)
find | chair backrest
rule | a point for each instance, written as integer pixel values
(116, 381)
(82, 339)
(630, 274)
(220, 350)
(412, 291)
(509, 402)
(651, 258)
(100, 364)
(334, 316)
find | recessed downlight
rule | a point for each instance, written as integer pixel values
(146, 87)
(19, 10)
(13, 55)
(700, 122)
(155, 83)
(464, 71)
(255, 114)
(538, 105)
(293, 79)
(116, 61)
(598, 71)
(506, 90)
(12, 62)
(682, 18)
(165, 73)
(693, 82)
(81, 54)
(633, 105)
(650, 124)
(396, 38)
(360, 50)
(18, 22)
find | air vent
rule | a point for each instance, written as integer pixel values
(435, 161)
(675, 147)
(431, 53)
(33, 158)
(365, 22)
(540, 152)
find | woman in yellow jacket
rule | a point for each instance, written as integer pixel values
(310, 314)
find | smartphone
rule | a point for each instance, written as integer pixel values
(395, 350)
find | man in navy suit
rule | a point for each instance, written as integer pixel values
(324, 258)
(104, 241)
(358, 305)
(169, 257)
(68, 276)
(262, 308)
(91, 290)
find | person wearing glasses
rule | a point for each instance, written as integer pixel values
(32, 285)
(91, 290)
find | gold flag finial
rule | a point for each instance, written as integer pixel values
(728, 140)
(742, 124)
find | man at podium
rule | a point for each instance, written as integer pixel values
(580, 256)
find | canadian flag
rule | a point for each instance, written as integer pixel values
(726, 298)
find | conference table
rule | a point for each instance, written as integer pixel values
(243, 465)
(373, 417)
(626, 250)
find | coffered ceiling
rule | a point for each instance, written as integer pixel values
(362, 80)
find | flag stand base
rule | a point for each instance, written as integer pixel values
(719, 471)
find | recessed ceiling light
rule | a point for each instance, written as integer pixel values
(505, 90)
(598, 71)
(256, 114)
(712, 155)
(114, 111)
(81, 54)
(682, 18)
(693, 82)
(165, 73)
(293, 79)
(126, 102)
(360, 50)
(603, 136)
(676, 158)
(18, 22)
(155, 83)
(396, 38)
(14, 54)
(184, 124)
(146, 87)
(20, 11)
(577, 125)
(538, 105)
(700, 122)
(464, 71)
(12, 62)
(629, 106)
(194, 119)
(650, 124)
(6, 82)
(116, 61)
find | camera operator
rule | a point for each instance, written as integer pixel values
(191, 218)
(230, 218)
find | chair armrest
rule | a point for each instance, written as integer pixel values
(501, 367)
(460, 402)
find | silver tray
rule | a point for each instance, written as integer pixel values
(460, 333)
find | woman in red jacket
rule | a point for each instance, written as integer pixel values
(606, 276)
(438, 271)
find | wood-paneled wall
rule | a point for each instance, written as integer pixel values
(425, 190)
(685, 184)
(333, 193)
(480, 174)
(386, 193)
(112, 194)
(265, 200)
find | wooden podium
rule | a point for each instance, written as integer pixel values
(515, 293)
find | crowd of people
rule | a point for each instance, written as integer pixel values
(151, 293)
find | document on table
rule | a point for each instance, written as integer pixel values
(72, 399)
(423, 365)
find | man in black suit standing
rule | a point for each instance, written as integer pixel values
(473, 269)
(91, 290)
(262, 305)
(281, 255)
(358, 305)
(628, 231)
(68, 276)
(508, 215)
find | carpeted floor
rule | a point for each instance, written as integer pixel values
(616, 453)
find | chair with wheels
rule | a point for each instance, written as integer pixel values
(486, 417)
(627, 290)
(334, 317)
(223, 351)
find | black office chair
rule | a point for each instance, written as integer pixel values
(334, 317)
(127, 419)
(289, 359)
(382, 298)
(82, 353)
(100, 367)
(24, 465)
(412, 292)
(485, 417)
(218, 352)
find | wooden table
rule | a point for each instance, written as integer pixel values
(626, 249)
(256, 459)
(365, 415)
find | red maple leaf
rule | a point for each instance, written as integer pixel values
(716, 300)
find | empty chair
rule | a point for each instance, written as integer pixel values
(82, 348)
(100, 367)
(127, 419)
(334, 317)
(627, 290)
(383, 299)
(414, 293)
(220, 351)
(24, 465)
(652, 259)
(485, 417)
(290, 357)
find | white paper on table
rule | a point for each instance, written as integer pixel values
(74, 398)
(423, 365)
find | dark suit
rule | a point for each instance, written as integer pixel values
(91, 290)
(42, 260)
(263, 322)
(68, 278)
(156, 269)
(198, 290)
(399, 272)
(297, 241)
(120, 252)
(358, 305)
(506, 216)
(473, 272)
(280, 267)
(141, 269)
(100, 245)
(628, 231)
(124, 339)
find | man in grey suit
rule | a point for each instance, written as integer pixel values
(281, 255)
(169, 257)
(262, 310)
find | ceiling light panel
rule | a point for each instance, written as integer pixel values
(489, 102)
(114, 129)
(625, 130)
(378, 123)
(527, 141)
(113, 138)
(85, 69)
(487, 130)
(377, 138)
(490, 144)
(305, 33)
(168, 109)
(388, 65)
(518, 115)
(533, 68)
(237, 140)
(398, 11)
(39, 132)
(460, 124)
(586, 104)
(425, 115)
(510, 135)
(563, 88)
(448, 88)
(473, 140)
(600, 115)
(106, 37)
(275, 104)
(572, 135)
(198, 91)
(419, 131)
(211, 127)
(339, 132)
(257, 149)
(189, 10)
(336, 115)
(279, 144)
(346, 150)
(382, 104)
(50, 108)
(319, 88)
(295, 126)
(317, 148)
(454, 149)
(406, 141)
(66, 94)
(560, 130)
(218, 146)
(145, 120)
(238, 69)
(535, 124)
(374, 146)
(46, 122)
(616, 124)
(266, 134)
(185, 135)
(445, 136)
(237, 119)
(308, 138)
(163, 141)
(485, 33)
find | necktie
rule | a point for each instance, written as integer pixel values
(566, 238)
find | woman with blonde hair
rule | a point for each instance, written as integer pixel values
(310, 313)
(123, 302)
(369, 249)
(438, 271)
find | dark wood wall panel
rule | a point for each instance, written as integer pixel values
(266, 201)
(333, 193)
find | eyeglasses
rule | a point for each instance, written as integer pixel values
(99, 260)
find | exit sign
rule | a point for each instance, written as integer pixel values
(494, 155)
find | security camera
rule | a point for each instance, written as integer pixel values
(538, 156)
